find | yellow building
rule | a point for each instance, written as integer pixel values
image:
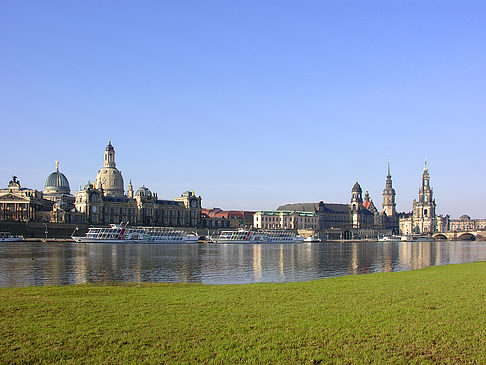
(285, 219)
(20, 204)
(105, 201)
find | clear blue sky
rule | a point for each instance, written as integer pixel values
(251, 103)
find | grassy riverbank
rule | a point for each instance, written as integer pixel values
(432, 315)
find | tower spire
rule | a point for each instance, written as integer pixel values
(389, 205)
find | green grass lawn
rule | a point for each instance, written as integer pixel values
(436, 315)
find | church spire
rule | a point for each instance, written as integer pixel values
(130, 190)
(389, 205)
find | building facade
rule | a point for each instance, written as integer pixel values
(358, 215)
(285, 219)
(105, 201)
(423, 218)
(465, 223)
(217, 218)
(20, 204)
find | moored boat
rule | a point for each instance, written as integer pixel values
(8, 237)
(257, 236)
(119, 234)
(312, 239)
(392, 238)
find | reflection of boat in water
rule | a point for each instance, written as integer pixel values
(392, 238)
(8, 237)
(257, 236)
(119, 234)
(417, 237)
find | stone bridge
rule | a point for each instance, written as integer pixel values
(461, 236)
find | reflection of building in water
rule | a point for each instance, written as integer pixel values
(354, 263)
(281, 262)
(257, 262)
(387, 257)
(405, 254)
(415, 255)
(81, 265)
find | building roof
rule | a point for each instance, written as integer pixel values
(336, 208)
(57, 181)
(357, 187)
(301, 207)
(287, 212)
(143, 192)
(228, 214)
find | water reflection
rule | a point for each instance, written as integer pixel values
(35, 264)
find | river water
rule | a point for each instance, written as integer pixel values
(51, 263)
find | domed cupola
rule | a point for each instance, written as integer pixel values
(356, 188)
(109, 178)
(144, 192)
(57, 183)
(356, 195)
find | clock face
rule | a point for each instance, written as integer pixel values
(193, 203)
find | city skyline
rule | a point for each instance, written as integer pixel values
(251, 105)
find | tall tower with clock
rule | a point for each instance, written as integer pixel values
(389, 205)
(424, 217)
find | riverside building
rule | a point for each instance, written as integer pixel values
(465, 223)
(358, 219)
(21, 204)
(106, 202)
(285, 219)
(423, 218)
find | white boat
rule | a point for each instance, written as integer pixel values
(119, 234)
(257, 236)
(312, 239)
(392, 238)
(8, 237)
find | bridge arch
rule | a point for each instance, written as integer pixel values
(440, 236)
(467, 236)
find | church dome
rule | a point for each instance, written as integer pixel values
(57, 183)
(357, 188)
(109, 178)
(465, 218)
(143, 192)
